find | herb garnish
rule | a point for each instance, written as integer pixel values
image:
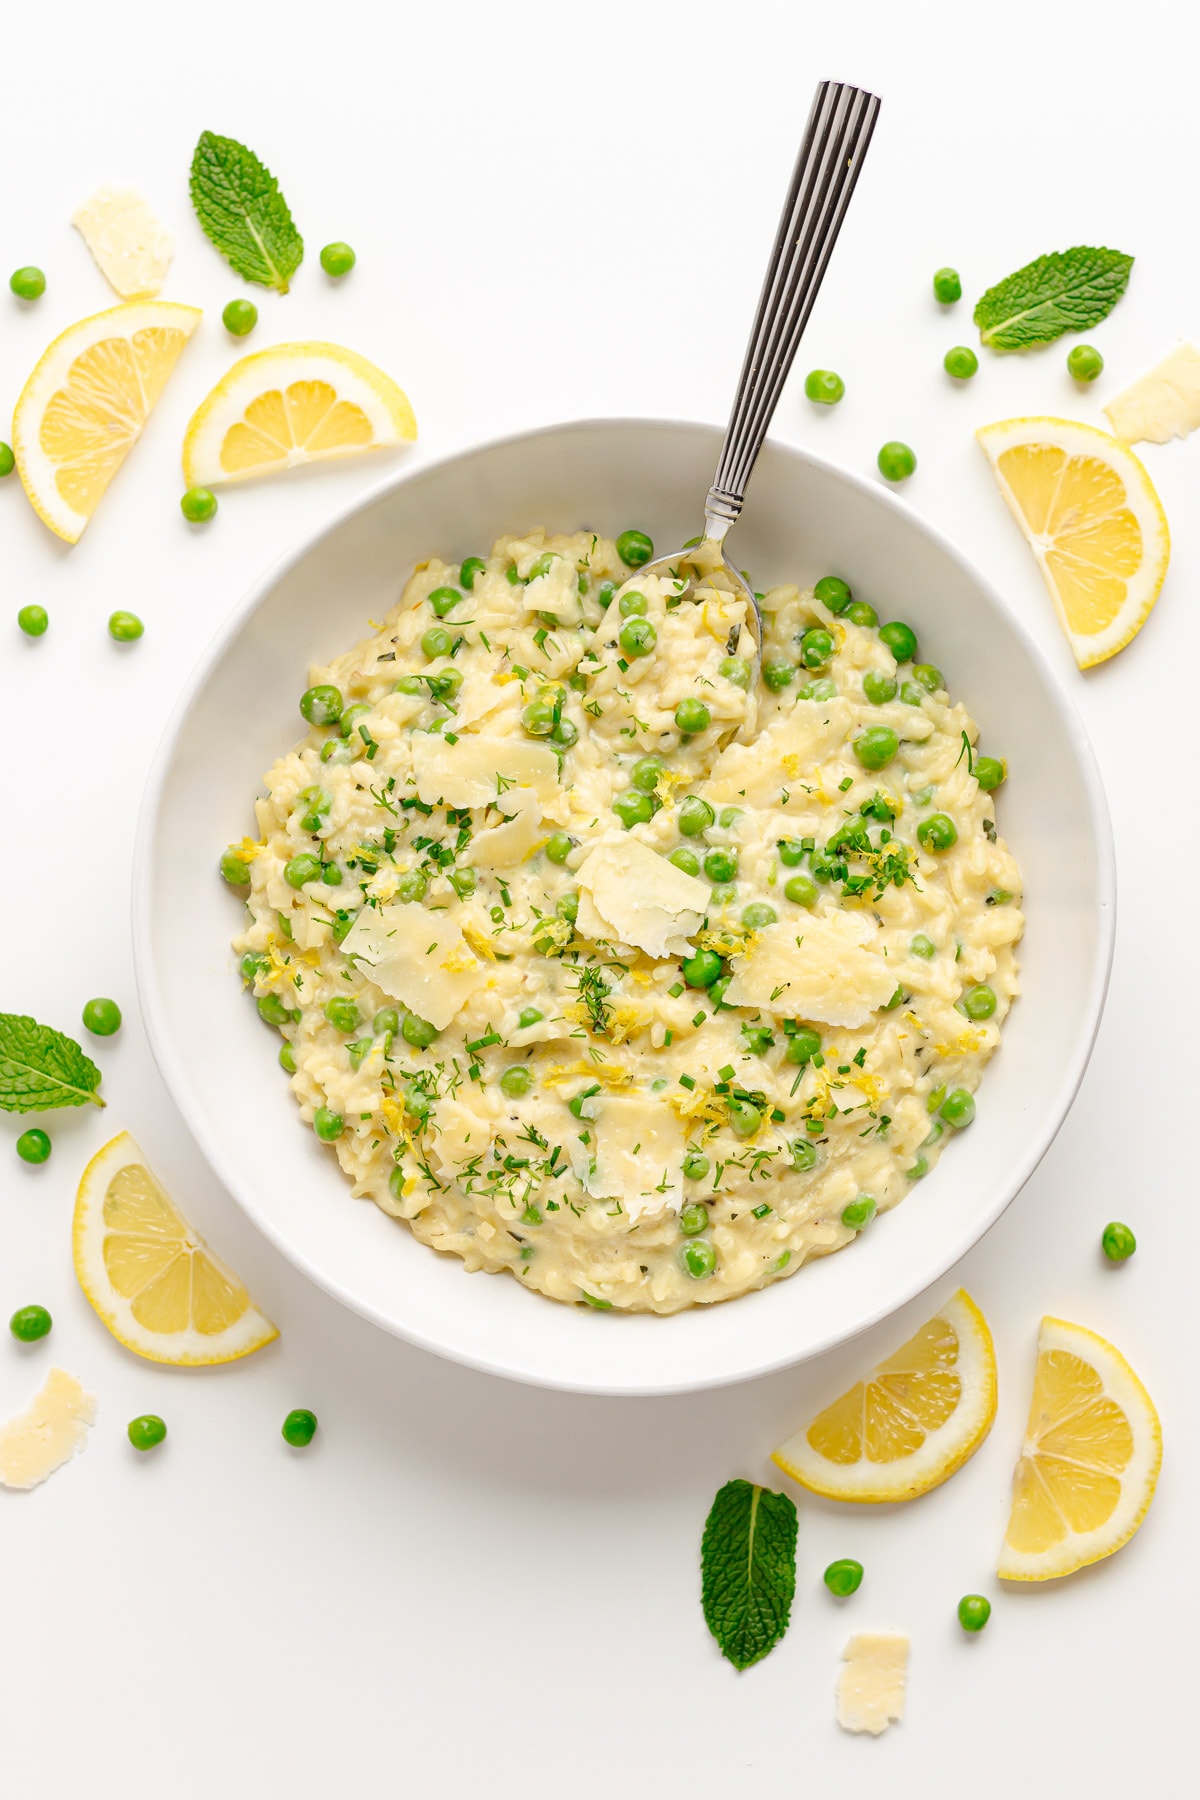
(41, 1067)
(242, 212)
(748, 1570)
(1070, 290)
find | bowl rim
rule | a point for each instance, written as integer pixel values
(178, 1085)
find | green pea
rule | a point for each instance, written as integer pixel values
(396, 1181)
(699, 1258)
(961, 362)
(816, 648)
(538, 718)
(695, 1165)
(821, 689)
(8, 461)
(974, 1611)
(824, 387)
(337, 260)
(1117, 1242)
(125, 627)
(702, 969)
(318, 802)
(342, 1013)
(147, 1432)
(645, 774)
(287, 1058)
(919, 1169)
(437, 641)
(861, 612)
(633, 605)
(758, 915)
(27, 283)
(512, 576)
(443, 600)
(565, 734)
(778, 673)
(958, 1108)
(516, 1081)
(240, 317)
(1084, 363)
(912, 693)
(33, 620)
(417, 1031)
(559, 847)
(359, 1049)
(990, 771)
(411, 886)
(937, 832)
(542, 565)
(860, 1212)
(879, 688)
(685, 859)
(567, 907)
(735, 669)
(900, 639)
(833, 593)
(102, 1017)
(328, 1124)
(633, 808)
(744, 1118)
(634, 549)
(757, 1039)
(693, 1219)
(721, 865)
(234, 870)
(350, 717)
(803, 1045)
(947, 286)
(463, 881)
(272, 1010)
(302, 869)
(791, 852)
(637, 637)
(604, 594)
(34, 1146)
(931, 679)
(922, 946)
(473, 566)
(876, 747)
(803, 1154)
(198, 505)
(299, 1428)
(322, 705)
(896, 461)
(530, 1016)
(979, 1002)
(692, 716)
(695, 816)
(30, 1323)
(844, 1577)
(801, 891)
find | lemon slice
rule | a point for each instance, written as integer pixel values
(85, 405)
(1095, 524)
(1087, 1469)
(911, 1422)
(297, 403)
(153, 1281)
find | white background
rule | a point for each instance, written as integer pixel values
(467, 1587)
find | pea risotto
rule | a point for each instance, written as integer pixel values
(608, 956)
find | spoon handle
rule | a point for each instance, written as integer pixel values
(827, 168)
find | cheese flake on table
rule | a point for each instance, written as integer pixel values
(131, 245)
(634, 896)
(784, 754)
(1164, 404)
(638, 1147)
(479, 767)
(419, 957)
(824, 967)
(48, 1433)
(871, 1687)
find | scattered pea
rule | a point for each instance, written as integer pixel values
(198, 505)
(567, 907)
(861, 612)
(29, 1323)
(33, 1146)
(844, 1577)
(437, 641)
(342, 1013)
(692, 716)
(287, 1058)
(564, 734)
(27, 283)
(125, 627)
(1118, 1242)
(803, 1045)
(516, 1081)
(721, 865)
(735, 669)
(530, 1016)
(102, 1017)
(33, 620)
(929, 677)
(300, 1427)
(816, 648)
(693, 1219)
(299, 870)
(634, 549)
(322, 705)
(974, 1611)
(558, 847)
(801, 891)
(958, 1108)
(8, 461)
(633, 808)
(896, 461)
(472, 566)
(833, 593)
(685, 859)
(410, 887)
(744, 1118)
(327, 1124)
(637, 637)
(937, 832)
(979, 1002)
(803, 1154)
(791, 852)
(947, 286)
(695, 1165)
(337, 259)
(758, 915)
(699, 1258)
(538, 717)
(820, 689)
(417, 1031)
(925, 948)
(146, 1432)
(443, 600)
(990, 771)
(876, 747)
(633, 605)
(271, 1009)
(900, 639)
(879, 688)
(1084, 363)
(702, 969)
(645, 773)
(824, 387)
(961, 362)
(778, 673)
(860, 1212)
(240, 317)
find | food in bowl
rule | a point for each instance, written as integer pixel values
(608, 957)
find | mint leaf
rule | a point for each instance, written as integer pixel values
(1070, 290)
(40, 1067)
(748, 1570)
(243, 213)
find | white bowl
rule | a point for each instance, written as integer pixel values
(805, 518)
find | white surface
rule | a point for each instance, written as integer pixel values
(239, 714)
(465, 1585)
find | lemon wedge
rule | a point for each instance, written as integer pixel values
(910, 1423)
(1088, 1467)
(294, 404)
(86, 404)
(153, 1281)
(1094, 522)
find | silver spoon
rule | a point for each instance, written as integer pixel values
(827, 168)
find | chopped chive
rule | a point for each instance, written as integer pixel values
(492, 1037)
(760, 1212)
(727, 1073)
(699, 1018)
(676, 990)
(668, 1039)
(687, 1081)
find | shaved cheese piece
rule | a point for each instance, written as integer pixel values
(638, 1149)
(825, 967)
(557, 591)
(634, 896)
(419, 957)
(480, 695)
(504, 846)
(871, 1688)
(787, 751)
(131, 245)
(462, 1134)
(1164, 404)
(48, 1433)
(479, 767)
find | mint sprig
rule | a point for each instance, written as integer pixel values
(748, 1570)
(41, 1067)
(1069, 290)
(243, 213)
